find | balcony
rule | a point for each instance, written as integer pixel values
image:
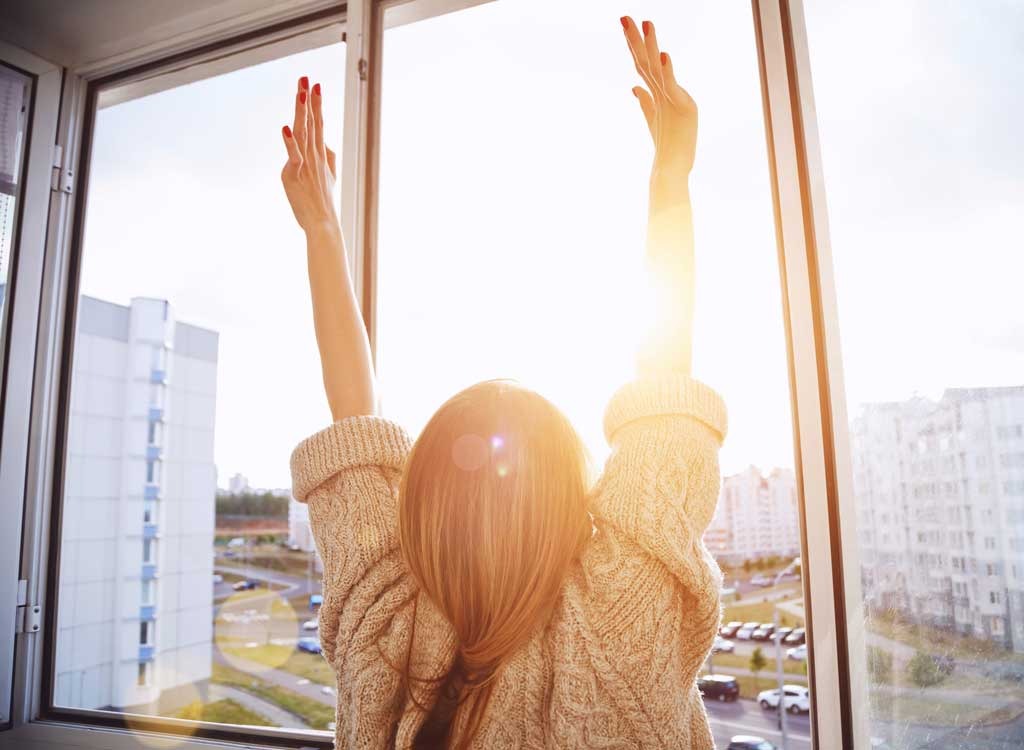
(154, 452)
(156, 414)
(146, 653)
(149, 531)
(148, 571)
(152, 491)
(147, 612)
(158, 376)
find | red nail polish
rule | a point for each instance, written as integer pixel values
(647, 28)
(625, 22)
(304, 83)
(664, 58)
(302, 97)
(316, 89)
(287, 131)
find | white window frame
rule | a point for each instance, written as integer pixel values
(831, 573)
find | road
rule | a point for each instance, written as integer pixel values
(746, 717)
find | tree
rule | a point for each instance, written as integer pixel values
(879, 664)
(746, 565)
(924, 671)
(757, 661)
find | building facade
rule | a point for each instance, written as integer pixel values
(756, 517)
(940, 498)
(135, 612)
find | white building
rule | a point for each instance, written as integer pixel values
(135, 613)
(756, 517)
(940, 498)
(299, 533)
(238, 484)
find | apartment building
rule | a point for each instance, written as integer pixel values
(135, 606)
(940, 498)
(756, 517)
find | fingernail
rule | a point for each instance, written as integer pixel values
(287, 131)
(625, 22)
(664, 58)
(647, 28)
(302, 97)
(316, 89)
(636, 92)
(304, 83)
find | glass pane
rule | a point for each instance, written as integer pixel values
(185, 580)
(513, 199)
(920, 135)
(15, 98)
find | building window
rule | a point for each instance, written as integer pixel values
(142, 678)
(149, 551)
(146, 633)
(148, 592)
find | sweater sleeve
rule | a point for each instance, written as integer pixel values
(349, 474)
(655, 499)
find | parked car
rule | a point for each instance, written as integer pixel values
(750, 742)
(723, 646)
(747, 630)
(311, 624)
(218, 578)
(721, 687)
(309, 645)
(797, 700)
(729, 629)
(796, 638)
(763, 632)
(781, 633)
(247, 585)
(762, 581)
(797, 654)
(236, 542)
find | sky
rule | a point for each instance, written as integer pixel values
(514, 163)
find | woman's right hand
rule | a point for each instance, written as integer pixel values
(670, 111)
(309, 175)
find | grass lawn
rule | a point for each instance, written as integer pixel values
(725, 661)
(934, 640)
(315, 713)
(921, 710)
(311, 666)
(222, 712)
(751, 686)
(273, 558)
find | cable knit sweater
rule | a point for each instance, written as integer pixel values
(616, 664)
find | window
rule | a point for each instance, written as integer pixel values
(929, 100)
(187, 322)
(15, 97)
(533, 254)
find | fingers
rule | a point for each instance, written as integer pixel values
(654, 60)
(676, 93)
(299, 129)
(332, 159)
(647, 105)
(291, 167)
(638, 49)
(317, 113)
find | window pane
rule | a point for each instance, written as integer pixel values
(920, 134)
(513, 198)
(177, 591)
(15, 97)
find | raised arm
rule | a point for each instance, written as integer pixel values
(309, 177)
(672, 120)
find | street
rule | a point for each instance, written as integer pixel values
(746, 717)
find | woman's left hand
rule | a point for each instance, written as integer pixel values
(309, 175)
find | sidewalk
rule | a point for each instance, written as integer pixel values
(267, 710)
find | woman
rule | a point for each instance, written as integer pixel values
(476, 592)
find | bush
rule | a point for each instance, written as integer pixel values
(757, 661)
(924, 671)
(879, 664)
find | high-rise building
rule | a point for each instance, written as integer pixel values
(238, 484)
(940, 500)
(135, 614)
(756, 517)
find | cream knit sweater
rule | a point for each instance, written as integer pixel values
(616, 665)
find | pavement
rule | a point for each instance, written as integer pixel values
(278, 677)
(746, 717)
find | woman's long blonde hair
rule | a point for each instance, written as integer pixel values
(492, 510)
